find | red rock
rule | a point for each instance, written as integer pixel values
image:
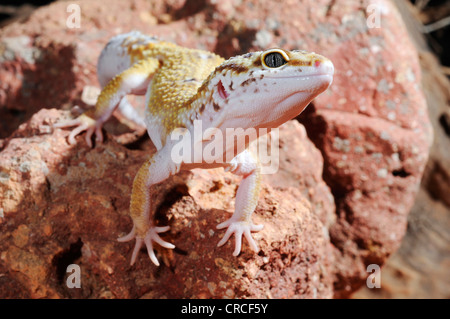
(419, 268)
(66, 204)
(371, 127)
(297, 173)
(374, 133)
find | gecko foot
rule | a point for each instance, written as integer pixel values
(83, 123)
(150, 237)
(239, 228)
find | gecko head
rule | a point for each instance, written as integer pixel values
(267, 88)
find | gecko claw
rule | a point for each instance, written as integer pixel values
(239, 228)
(82, 123)
(150, 237)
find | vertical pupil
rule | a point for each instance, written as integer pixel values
(274, 60)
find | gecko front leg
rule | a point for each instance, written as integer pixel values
(154, 171)
(246, 165)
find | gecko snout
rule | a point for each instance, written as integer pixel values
(324, 66)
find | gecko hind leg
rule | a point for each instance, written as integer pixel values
(131, 81)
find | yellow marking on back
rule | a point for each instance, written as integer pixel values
(181, 73)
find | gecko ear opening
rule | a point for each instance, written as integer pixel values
(222, 92)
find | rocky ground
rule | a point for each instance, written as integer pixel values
(350, 167)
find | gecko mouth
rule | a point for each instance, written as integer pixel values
(318, 83)
(307, 83)
(318, 87)
(303, 77)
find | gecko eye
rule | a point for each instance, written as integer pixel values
(274, 59)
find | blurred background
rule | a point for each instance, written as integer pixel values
(420, 268)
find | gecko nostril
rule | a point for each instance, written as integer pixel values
(317, 63)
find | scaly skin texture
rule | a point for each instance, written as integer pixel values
(188, 91)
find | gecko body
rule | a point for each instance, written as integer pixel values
(185, 87)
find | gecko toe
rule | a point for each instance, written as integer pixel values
(136, 249)
(239, 229)
(131, 235)
(150, 237)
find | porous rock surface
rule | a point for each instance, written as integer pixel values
(67, 204)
